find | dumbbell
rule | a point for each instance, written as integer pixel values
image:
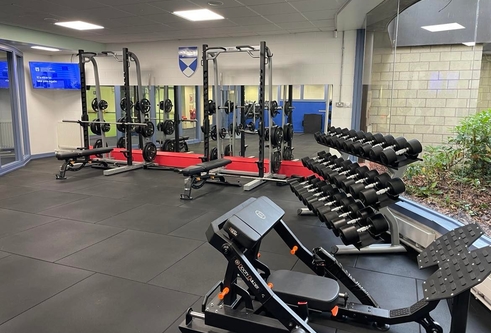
(340, 133)
(301, 180)
(341, 144)
(330, 161)
(376, 225)
(336, 215)
(296, 188)
(369, 139)
(329, 172)
(359, 140)
(342, 220)
(392, 189)
(411, 148)
(336, 142)
(321, 156)
(352, 170)
(378, 182)
(364, 148)
(374, 151)
(343, 205)
(330, 202)
(361, 177)
(377, 150)
(313, 189)
(318, 137)
(324, 189)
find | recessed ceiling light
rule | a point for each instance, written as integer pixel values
(443, 27)
(44, 48)
(198, 15)
(79, 25)
(215, 3)
(470, 44)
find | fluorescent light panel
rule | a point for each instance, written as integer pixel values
(44, 48)
(470, 44)
(443, 27)
(79, 25)
(198, 15)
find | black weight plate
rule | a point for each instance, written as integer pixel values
(288, 132)
(105, 127)
(103, 105)
(276, 161)
(288, 109)
(122, 104)
(95, 127)
(213, 133)
(214, 154)
(121, 142)
(149, 130)
(149, 152)
(94, 105)
(145, 105)
(211, 107)
(274, 109)
(228, 150)
(223, 133)
(287, 153)
(168, 127)
(251, 127)
(238, 129)
(166, 106)
(98, 144)
(121, 127)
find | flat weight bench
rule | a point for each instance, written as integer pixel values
(72, 158)
(199, 174)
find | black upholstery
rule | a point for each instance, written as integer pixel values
(81, 153)
(197, 169)
(292, 287)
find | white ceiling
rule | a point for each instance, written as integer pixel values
(151, 20)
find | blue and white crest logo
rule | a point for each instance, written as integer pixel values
(188, 60)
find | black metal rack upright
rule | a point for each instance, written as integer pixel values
(262, 87)
(242, 121)
(129, 119)
(206, 113)
(177, 120)
(83, 94)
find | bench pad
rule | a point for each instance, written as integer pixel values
(197, 169)
(82, 153)
(292, 287)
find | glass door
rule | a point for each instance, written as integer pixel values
(7, 142)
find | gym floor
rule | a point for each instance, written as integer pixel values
(124, 254)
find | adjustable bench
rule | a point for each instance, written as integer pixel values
(71, 158)
(197, 175)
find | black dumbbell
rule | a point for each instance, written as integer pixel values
(379, 182)
(376, 225)
(367, 177)
(374, 151)
(301, 180)
(361, 138)
(310, 198)
(321, 156)
(353, 169)
(378, 139)
(350, 211)
(311, 190)
(359, 217)
(329, 140)
(411, 148)
(343, 205)
(370, 138)
(338, 141)
(330, 173)
(328, 191)
(377, 150)
(392, 189)
(296, 186)
(331, 161)
(360, 135)
(331, 201)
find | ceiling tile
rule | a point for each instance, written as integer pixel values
(258, 2)
(323, 23)
(173, 5)
(113, 2)
(103, 14)
(320, 15)
(128, 21)
(226, 4)
(253, 20)
(273, 9)
(139, 9)
(313, 29)
(316, 5)
(10, 10)
(280, 18)
(265, 27)
(235, 12)
(77, 4)
(163, 18)
(296, 25)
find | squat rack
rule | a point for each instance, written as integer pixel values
(265, 73)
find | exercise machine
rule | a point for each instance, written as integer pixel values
(252, 298)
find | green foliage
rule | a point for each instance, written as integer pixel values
(473, 136)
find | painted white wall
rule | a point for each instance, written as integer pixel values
(308, 58)
(5, 108)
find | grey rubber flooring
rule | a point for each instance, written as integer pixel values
(124, 254)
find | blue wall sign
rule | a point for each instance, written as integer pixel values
(52, 75)
(4, 75)
(188, 60)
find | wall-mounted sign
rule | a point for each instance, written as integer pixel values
(188, 60)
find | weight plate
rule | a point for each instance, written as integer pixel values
(121, 127)
(229, 107)
(149, 130)
(98, 144)
(288, 132)
(287, 153)
(214, 154)
(273, 109)
(213, 133)
(166, 106)
(276, 161)
(94, 105)
(168, 145)
(288, 109)
(168, 127)
(211, 107)
(122, 144)
(105, 127)
(122, 104)
(223, 133)
(149, 152)
(103, 105)
(238, 129)
(95, 127)
(145, 106)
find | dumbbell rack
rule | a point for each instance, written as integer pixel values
(395, 244)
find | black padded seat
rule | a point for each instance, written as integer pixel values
(319, 292)
(197, 169)
(82, 153)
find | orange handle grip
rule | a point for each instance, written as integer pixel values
(294, 250)
(224, 292)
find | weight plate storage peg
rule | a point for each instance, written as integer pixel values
(276, 161)
(147, 131)
(166, 106)
(149, 152)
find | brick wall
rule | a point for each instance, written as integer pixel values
(484, 97)
(422, 92)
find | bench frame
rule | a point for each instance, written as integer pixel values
(198, 181)
(82, 161)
